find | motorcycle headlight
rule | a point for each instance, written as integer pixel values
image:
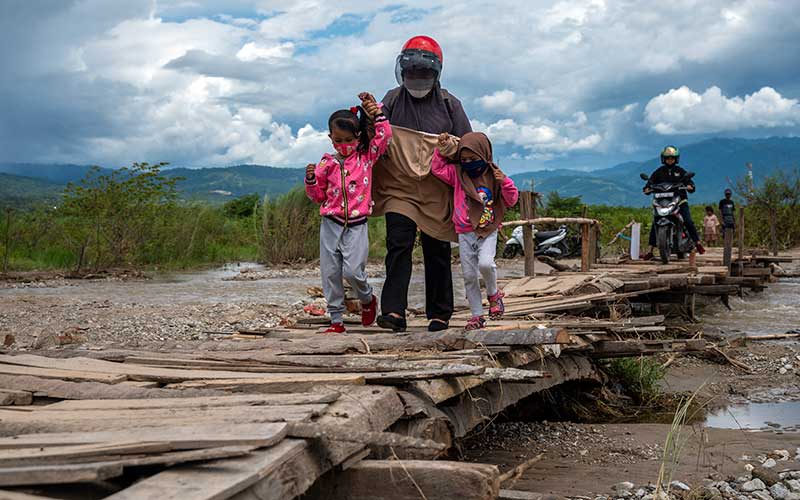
(664, 211)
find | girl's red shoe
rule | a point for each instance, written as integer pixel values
(335, 328)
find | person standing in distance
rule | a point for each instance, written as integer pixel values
(420, 104)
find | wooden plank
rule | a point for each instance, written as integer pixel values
(76, 453)
(283, 471)
(404, 377)
(216, 480)
(132, 371)
(531, 336)
(70, 375)
(233, 400)
(13, 397)
(58, 474)
(62, 389)
(274, 384)
(17, 422)
(179, 437)
(440, 390)
(410, 480)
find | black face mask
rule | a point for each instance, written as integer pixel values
(474, 168)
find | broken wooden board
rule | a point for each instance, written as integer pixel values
(543, 285)
(129, 370)
(58, 474)
(51, 473)
(404, 377)
(217, 480)
(273, 384)
(179, 437)
(302, 398)
(528, 336)
(69, 375)
(282, 471)
(26, 422)
(409, 480)
(14, 397)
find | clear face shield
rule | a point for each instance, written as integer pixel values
(417, 71)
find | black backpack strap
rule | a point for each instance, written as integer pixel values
(446, 97)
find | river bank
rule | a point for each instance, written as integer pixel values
(191, 310)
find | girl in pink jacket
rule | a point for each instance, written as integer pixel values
(342, 184)
(481, 194)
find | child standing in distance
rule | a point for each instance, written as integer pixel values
(342, 184)
(710, 226)
(481, 194)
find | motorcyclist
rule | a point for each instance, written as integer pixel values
(670, 171)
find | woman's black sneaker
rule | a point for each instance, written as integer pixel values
(437, 325)
(392, 323)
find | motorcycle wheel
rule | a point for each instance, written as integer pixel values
(562, 245)
(662, 240)
(510, 251)
(681, 255)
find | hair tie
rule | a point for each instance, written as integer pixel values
(354, 110)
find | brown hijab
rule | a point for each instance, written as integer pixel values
(478, 143)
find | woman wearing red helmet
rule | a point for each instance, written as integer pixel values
(409, 201)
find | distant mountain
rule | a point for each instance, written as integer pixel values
(225, 183)
(60, 173)
(216, 184)
(17, 190)
(714, 161)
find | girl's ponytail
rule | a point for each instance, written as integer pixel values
(353, 120)
(363, 129)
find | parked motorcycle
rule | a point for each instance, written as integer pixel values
(671, 236)
(557, 244)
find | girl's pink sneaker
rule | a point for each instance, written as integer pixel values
(475, 323)
(496, 306)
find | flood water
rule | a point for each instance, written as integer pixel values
(775, 310)
(762, 416)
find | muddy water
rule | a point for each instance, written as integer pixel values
(776, 310)
(783, 416)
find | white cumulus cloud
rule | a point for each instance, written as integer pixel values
(684, 111)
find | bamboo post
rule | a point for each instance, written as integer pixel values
(741, 241)
(586, 245)
(728, 250)
(526, 211)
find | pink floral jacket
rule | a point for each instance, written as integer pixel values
(442, 168)
(344, 187)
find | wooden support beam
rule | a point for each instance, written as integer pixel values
(549, 220)
(623, 348)
(740, 229)
(482, 402)
(409, 480)
(528, 244)
(586, 244)
(727, 247)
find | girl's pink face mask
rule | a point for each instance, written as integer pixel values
(346, 148)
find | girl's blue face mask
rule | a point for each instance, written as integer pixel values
(474, 168)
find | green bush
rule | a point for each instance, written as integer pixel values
(640, 377)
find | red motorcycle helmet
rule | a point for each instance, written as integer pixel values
(419, 65)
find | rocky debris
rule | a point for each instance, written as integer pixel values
(584, 443)
(758, 483)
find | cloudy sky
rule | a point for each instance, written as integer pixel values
(570, 83)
